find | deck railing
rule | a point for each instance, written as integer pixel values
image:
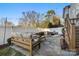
(70, 30)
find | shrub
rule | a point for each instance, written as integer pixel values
(9, 41)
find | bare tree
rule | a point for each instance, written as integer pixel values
(30, 17)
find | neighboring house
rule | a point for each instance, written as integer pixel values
(8, 24)
(28, 24)
(23, 24)
(72, 11)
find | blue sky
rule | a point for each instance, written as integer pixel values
(13, 11)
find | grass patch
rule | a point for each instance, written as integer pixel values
(10, 52)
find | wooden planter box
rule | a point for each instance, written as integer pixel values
(26, 43)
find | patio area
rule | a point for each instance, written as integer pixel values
(49, 47)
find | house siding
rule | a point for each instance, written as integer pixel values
(74, 10)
